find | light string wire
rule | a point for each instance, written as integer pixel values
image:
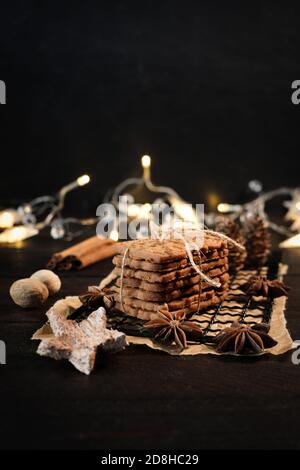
(25, 217)
(145, 181)
(257, 205)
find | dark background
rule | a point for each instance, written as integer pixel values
(203, 87)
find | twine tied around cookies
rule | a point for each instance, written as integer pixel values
(192, 236)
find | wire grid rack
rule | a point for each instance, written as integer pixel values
(236, 307)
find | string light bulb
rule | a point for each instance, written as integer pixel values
(8, 218)
(17, 234)
(187, 212)
(145, 211)
(83, 180)
(133, 210)
(146, 164)
(114, 235)
(146, 161)
(224, 208)
(292, 242)
(184, 210)
(27, 209)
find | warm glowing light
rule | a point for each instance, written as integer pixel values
(224, 207)
(298, 206)
(82, 180)
(213, 200)
(146, 161)
(145, 211)
(7, 218)
(17, 234)
(114, 235)
(27, 209)
(184, 210)
(187, 212)
(133, 210)
(293, 242)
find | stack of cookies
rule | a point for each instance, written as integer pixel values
(155, 272)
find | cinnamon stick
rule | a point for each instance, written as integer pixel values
(83, 254)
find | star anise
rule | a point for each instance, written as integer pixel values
(91, 300)
(244, 339)
(261, 286)
(172, 327)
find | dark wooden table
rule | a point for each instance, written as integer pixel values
(139, 399)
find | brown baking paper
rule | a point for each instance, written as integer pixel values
(278, 328)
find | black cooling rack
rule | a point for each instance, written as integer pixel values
(246, 309)
(236, 307)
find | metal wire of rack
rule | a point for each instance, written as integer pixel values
(236, 307)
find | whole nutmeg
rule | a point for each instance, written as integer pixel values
(49, 278)
(28, 293)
